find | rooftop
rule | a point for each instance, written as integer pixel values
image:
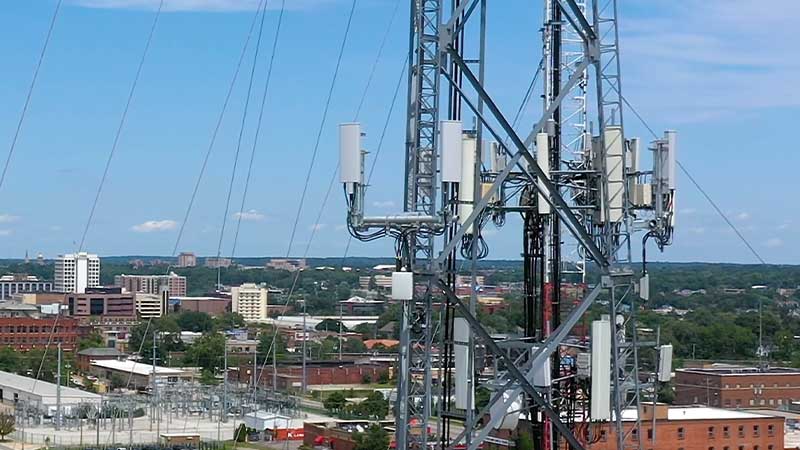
(136, 368)
(43, 388)
(101, 351)
(702, 413)
(742, 371)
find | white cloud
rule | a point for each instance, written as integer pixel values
(383, 204)
(743, 216)
(317, 227)
(784, 226)
(195, 5)
(8, 218)
(774, 243)
(679, 65)
(340, 227)
(687, 211)
(5, 232)
(251, 215)
(56, 228)
(155, 225)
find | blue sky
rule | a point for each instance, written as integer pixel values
(719, 71)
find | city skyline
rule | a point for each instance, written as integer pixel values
(725, 118)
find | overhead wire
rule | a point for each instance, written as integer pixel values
(113, 147)
(217, 127)
(258, 126)
(122, 120)
(330, 188)
(321, 127)
(29, 95)
(239, 139)
(699, 188)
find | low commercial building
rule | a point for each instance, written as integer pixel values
(102, 301)
(338, 434)
(318, 373)
(86, 356)
(141, 375)
(697, 428)
(41, 394)
(738, 387)
(361, 306)
(39, 298)
(213, 306)
(18, 283)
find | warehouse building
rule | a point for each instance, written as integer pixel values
(41, 394)
(139, 374)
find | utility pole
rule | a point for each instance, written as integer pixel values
(340, 331)
(305, 338)
(274, 362)
(155, 386)
(58, 390)
(224, 407)
(255, 377)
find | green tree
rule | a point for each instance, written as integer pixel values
(228, 321)
(199, 322)
(353, 345)
(375, 406)
(207, 352)
(265, 345)
(93, 340)
(7, 425)
(168, 339)
(335, 402)
(375, 438)
(117, 382)
(331, 325)
(343, 291)
(9, 360)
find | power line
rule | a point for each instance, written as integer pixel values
(30, 92)
(258, 126)
(239, 139)
(122, 122)
(321, 127)
(699, 188)
(377, 59)
(217, 127)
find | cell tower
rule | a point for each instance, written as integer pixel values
(574, 187)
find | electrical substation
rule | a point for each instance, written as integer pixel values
(574, 179)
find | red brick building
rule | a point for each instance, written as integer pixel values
(109, 302)
(699, 428)
(317, 373)
(24, 333)
(737, 387)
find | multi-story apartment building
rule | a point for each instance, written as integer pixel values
(19, 283)
(738, 387)
(250, 300)
(292, 265)
(215, 263)
(74, 272)
(187, 259)
(152, 284)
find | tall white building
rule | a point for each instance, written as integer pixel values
(75, 272)
(250, 300)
